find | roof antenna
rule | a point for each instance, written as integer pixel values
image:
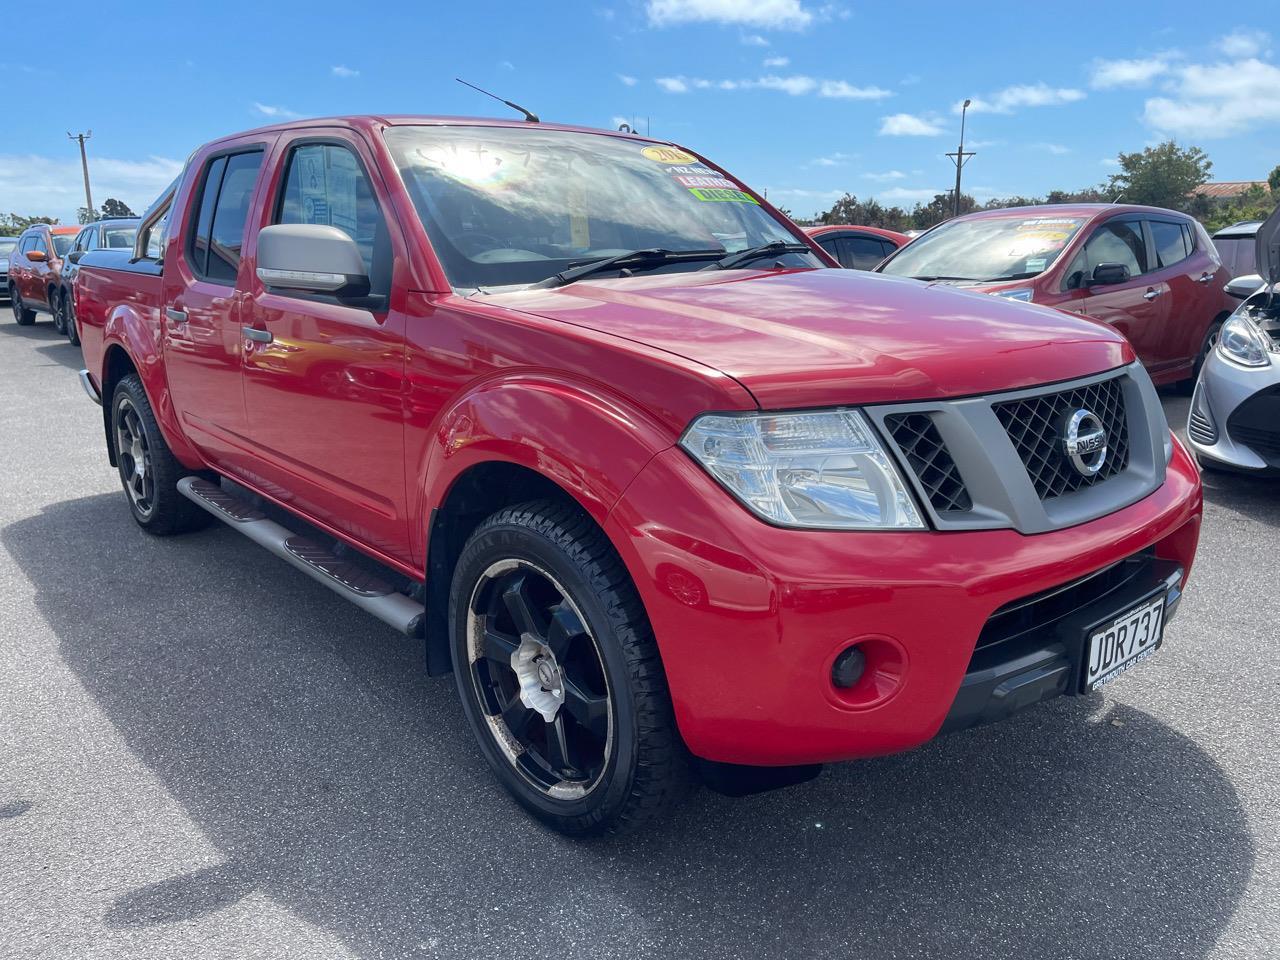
(529, 115)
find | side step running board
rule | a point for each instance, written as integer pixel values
(364, 589)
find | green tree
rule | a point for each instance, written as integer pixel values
(941, 207)
(1162, 176)
(1256, 203)
(12, 224)
(1274, 180)
(112, 207)
(85, 215)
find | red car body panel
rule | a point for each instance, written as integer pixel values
(363, 423)
(1165, 313)
(898, 239)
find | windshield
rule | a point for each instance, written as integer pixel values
(516, 205)
(985, 249)
(62, 243)
(118, 238)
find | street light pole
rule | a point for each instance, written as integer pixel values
(960, 158)
(84, 166)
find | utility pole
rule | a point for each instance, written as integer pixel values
(84, 166)
(960, 158)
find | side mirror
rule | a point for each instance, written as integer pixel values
(1108, 274)
(37, 256)
(1242, 288)
(75, 255)
(311, 257)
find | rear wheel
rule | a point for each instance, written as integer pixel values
(55, 307)
(21, 315)
(67, 306)
(149, 471)
(559, 672)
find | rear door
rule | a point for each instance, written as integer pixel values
(1137, 308)
(324, 378)
(1189, 273)
(202, 306)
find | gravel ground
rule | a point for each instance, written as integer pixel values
(204, 753)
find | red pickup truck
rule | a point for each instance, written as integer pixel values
(666, 493)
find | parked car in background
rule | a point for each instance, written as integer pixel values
(114, 234)
(1153, 274)
(1236, 247)
(6, 248)
(1234, 421)
(857, 248)
(35, 267)
(622, 454)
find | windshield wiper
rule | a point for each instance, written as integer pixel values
(652, 257)
(1011, 276)
(756, 253)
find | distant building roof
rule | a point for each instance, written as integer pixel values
(1226, 189)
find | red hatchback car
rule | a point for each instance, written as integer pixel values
(1151, 273)
(858, 248)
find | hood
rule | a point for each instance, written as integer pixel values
(819, 337)
(1267, 248)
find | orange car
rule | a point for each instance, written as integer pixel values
(35, 266)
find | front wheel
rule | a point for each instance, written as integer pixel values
(55, 306)
(67, 305)
(21, 315)
(1210, 341)
(149, 471)
(559, 673)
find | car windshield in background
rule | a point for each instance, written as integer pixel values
(7, 244)
(119, 238)
(987, 249)
(62, 243)
(504, 205)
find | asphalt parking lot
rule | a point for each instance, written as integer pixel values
(204, 753)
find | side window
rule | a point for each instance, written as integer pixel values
(1119, 241)
(1077, 275)
(1170, 241)
(325, 184)
(27, 244)
(829, 244)
(213, 247)
(861, 253)
(38, 243)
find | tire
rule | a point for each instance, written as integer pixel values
(541, 581)
(1210, 341)
(21, 315)
(55, 307)
(152, 492)
(69, 318)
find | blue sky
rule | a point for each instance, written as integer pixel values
(803, 98)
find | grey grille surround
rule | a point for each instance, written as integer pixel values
(1002, 493)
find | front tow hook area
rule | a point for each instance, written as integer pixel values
(87, 382)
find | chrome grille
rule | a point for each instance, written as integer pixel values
(918, 439)
(1035, 426)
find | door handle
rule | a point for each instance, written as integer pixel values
(1151, 294)
(1205, 277)
(177, 316)
(256, 335)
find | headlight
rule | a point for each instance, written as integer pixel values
(1018, 293)
(823, 469)
(1242, 342)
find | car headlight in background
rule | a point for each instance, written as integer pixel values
(823, 469)
(1242, 342)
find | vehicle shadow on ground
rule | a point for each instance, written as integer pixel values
(303, 740)
(58, 348)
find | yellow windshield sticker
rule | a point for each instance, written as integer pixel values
(668, 155)
(730, 196)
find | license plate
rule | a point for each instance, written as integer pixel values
(1118, 645)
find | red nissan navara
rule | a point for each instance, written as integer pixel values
(666, 493)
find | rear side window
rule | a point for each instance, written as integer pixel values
(325, 184)
(862, 253)
(217, 233)
(1119, 241)
(1171, 242)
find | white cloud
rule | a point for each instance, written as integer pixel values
(833, 160)
(626, 80)
(51, 186)
(909, 194)
(776, 61)
(1107, 74)
(753, 40)
(343, 71)
(887, 176)
(1056, 149)
(1022, 95)
(1242, 44)
(796, 85)
(1217, 100)
(506, 65)
(909, 125)
(769, 14)
(1110, 161)
(673, 84)
(275, 113)
(840, 90)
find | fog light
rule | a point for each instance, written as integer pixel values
(847, 670)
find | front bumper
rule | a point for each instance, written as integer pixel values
(1219, 425)
(750, 618)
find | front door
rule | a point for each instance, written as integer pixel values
(1137, 307)
(202, 307)
(323, 378)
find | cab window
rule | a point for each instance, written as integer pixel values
(326, 184)
(1170, 240)
(1119, 241)
(217, 234)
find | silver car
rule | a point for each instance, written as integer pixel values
(1234, 423)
